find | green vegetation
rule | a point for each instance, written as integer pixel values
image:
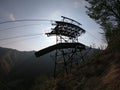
(107, 14)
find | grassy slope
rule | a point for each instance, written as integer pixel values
(100, 73)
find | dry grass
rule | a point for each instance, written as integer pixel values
(101, 72)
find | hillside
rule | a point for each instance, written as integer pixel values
(18, 68)
(26, 71)
(23, 68)
(100, 73)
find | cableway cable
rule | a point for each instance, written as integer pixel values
(20, 39)
(18, 27)
(24, 20)
(20, 36)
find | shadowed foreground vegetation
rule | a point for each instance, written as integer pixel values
(103, 71)
(100, 73)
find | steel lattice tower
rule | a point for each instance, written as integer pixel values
(67, 48)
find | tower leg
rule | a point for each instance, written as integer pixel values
(55, 64)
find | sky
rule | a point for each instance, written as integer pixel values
(11, 10)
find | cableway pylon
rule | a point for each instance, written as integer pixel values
(67, 48)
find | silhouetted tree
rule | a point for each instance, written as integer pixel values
(107, 14)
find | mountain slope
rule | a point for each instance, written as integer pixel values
(19, 69)
(18, 64)
(23, 68)
(102, 72)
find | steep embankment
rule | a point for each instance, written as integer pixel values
(100, 73)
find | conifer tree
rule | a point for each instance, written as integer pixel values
(107, 14)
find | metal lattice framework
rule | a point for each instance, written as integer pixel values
(68, 49)
(66, 29)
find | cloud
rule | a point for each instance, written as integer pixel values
(12, 17)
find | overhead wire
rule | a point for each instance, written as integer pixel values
(20, 36)
(24, 20)
(18, 27)
(29, 35)
(23, 39)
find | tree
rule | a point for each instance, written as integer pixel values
(107, 14)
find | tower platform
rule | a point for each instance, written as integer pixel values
(59, 46)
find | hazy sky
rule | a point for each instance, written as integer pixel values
(11, 10)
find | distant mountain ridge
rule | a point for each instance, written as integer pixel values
(23, 68)
(16, 63)
(24, 64)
